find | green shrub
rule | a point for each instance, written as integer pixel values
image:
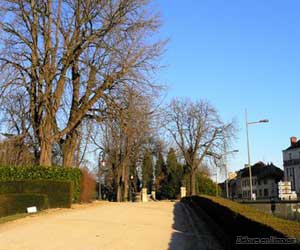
(17, 203)
(203, 184)
(10, 173)
(59, 192)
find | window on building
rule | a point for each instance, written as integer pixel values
(293, 178)
(265, 181)
(266, 192)
(258, 182)
(260, 193)
(290, 156)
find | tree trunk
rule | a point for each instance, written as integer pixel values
(119, 187)
(193, 182)
(126, 179)
(46, 153)
(70, 143)
(46, 144)
(119, 192)
(68, 148)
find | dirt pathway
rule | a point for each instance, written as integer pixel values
(105, 226)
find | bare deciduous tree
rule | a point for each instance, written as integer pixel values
(198, 132)
(68, 55)
(126, 132)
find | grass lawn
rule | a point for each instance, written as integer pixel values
(13, 217)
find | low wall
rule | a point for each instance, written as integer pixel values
(284, 209)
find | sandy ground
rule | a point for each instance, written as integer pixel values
(103, 226)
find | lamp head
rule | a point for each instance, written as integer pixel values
(264, 121)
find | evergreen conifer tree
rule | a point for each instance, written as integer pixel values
(170, 186)
(147, 170)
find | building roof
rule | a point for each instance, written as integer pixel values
(262, 170)
(293, 146)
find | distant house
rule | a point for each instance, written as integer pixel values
(264, 182)
(291, 164)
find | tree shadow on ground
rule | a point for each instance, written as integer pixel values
(183, 237)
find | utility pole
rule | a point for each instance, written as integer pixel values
(220, 156)
(248, 151)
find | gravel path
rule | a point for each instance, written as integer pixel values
(104, 226)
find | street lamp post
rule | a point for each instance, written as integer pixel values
(130, 188)
(217, 193)
(248, 147)
(216, 165)
(102, 164)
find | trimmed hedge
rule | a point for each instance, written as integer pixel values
(228, 219)
(59, 192)
(17, 203)
(286, 227)
(10, 173)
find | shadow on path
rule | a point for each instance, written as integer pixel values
(189, 233)
(183, 237)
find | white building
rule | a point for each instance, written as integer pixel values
(291, 163)
(285, 191)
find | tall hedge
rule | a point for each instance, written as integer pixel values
(10, 173)
(59, 192)
(231, 222)
(17, 203)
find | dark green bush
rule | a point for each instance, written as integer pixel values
(17, 203)
(59, 192)
(10, 173)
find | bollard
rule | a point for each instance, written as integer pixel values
(153, 195)
(182, 192)
(144, 195)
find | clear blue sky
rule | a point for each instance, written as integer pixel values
(238, 54)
